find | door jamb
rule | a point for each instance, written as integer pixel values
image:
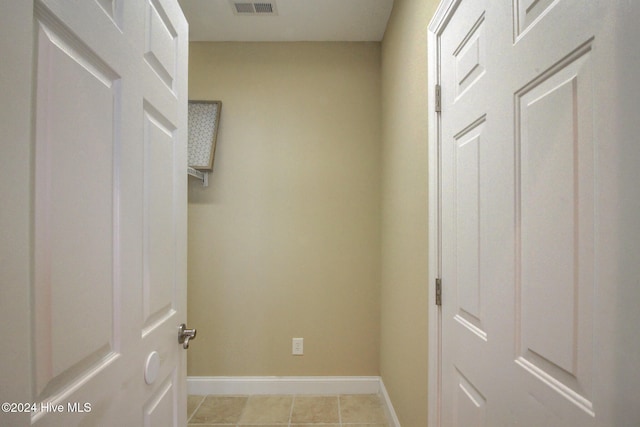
(443, 14)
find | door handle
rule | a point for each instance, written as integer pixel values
(185, 335)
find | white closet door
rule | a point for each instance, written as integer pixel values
(96, 162)
(539, 190)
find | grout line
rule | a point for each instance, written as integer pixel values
(197, 407)
(339, 412)
(244, 408)
(293, 402)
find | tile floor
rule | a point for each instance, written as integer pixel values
(286, 410)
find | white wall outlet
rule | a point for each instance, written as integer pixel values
(298, 347)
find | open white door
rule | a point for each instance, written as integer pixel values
(535, 194)
(93, 184)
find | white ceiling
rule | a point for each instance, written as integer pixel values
(296, 20)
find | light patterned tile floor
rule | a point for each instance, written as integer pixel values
(286, 411)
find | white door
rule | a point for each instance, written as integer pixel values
(538, 250)
(93, 212)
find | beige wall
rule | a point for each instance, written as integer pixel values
(404, 298)
(315, 223)
(285, 242)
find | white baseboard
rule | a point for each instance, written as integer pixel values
(283, 385)
(388, 407)
(293, 385)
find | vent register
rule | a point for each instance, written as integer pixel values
(250, 8)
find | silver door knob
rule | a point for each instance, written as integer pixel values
(185, 335)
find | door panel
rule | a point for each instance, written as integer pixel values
(555, 201)
(526, 12)
(76, 287)
(467, 190)
(159, 233)
(65, 272)
(470, 56)
(470, 404)
(160, 408)
(160, 43)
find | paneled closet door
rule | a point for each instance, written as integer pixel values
(538, 187)
(100, 164)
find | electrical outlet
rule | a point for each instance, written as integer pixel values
(298, 347)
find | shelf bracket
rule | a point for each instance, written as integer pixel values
(203, 176)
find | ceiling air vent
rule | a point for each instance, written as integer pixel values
(263, 7)
(251, 8)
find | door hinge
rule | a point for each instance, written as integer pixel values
(438, 291)
(438, 96)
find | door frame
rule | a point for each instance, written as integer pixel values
(440, 19)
